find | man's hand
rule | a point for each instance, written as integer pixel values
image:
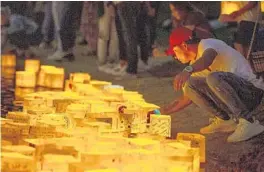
(180, 80)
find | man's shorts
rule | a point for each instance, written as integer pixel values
(244, 33)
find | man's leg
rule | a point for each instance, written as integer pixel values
(128, 12)
(142, 35)
(241, 97)
(199, 92)
(48, 24)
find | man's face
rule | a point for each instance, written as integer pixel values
(183, 54)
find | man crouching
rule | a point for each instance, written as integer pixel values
(220, 80)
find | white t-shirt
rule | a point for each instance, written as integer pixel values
(228, 60)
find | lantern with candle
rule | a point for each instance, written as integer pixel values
(21, 92)
(8, 60)
(25, 79)
(42, 74)
(8, 72)
(80, 77)
(32, 65)
(54, 78)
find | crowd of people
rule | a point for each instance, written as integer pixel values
(218, 79)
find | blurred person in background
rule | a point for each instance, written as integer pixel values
(183, 14)
(20, 30)
(89, 26)
(65, 15)
(108, 45)
(48, 28)
(246, 16)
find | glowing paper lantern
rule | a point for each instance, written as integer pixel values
(8, 60)
(32, 65)
(199, 141)
(8, 72)
(54, 78)
(21, 92)
(26, 79)
(42, 74)
(80, 77)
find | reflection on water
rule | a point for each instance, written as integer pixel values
(12, 96)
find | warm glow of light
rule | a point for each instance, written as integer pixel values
(262, 6)
(32, 65)
(8, 72)
(25, 79)
(8, 60)
(21, 92)
(54, 78)
(228, 7)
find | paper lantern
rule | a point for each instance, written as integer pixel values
(21, 92)
(198, 140)
(100, 84)
(32, 65)
(77, 110)
(8, 72)
(80, 77)
(41, 75)
(228, 7)
(54, 78)
(26, 79)
(8, 60)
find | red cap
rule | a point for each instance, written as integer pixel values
(177, 37)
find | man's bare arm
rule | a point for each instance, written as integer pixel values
(205, 61)
(176, 105)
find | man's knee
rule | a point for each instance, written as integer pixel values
(214, 79)
(190, 86)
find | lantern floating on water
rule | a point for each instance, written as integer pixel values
(54, 78)
(8, 60)
(32, 65)
(25, 79)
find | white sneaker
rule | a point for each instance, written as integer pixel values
(58, 55)
(107, 68)
(219, 125)
(245, 130)
(119, 70)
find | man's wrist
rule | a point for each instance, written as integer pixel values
(188, 69)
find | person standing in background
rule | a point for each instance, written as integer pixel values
(89, 26)
(108, 39)
(153, 7)
(65, 17)
(47, 27)
(246, 17)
